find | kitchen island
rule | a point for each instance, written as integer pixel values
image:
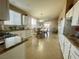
(3, 49)
(15, 52)
(12, 43)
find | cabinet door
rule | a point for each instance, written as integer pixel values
(72, 56)
(4, 10)
(18, 39)
(9, 42)
(75, 18)
(61, 41)
(66, 49)
(75, 52)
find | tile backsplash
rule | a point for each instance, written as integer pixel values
(68, 29)
(1, 23)
(76, 28)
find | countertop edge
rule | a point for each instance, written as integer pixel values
(7, 49)
(13, 30)
(72, 41)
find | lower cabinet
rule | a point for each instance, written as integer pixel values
(23, 33)
(75, 52)
(72, 56)
(61, 40)
(69, 51)
(66, 48)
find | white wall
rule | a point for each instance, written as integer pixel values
(54, 25)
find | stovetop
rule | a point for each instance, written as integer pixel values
(6, 35)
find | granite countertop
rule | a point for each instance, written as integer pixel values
(73, 40)
(13, 30)
(3, 49)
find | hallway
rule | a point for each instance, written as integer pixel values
(47, 48)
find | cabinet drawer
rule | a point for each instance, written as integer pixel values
(76, 55)
(75, 51)
(72, 56)
(67, 43)
(61, 41)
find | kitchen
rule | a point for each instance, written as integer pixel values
(13, 33)
(16, 28)
(69, 33)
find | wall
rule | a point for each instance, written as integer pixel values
(54, 25)
(61, 15)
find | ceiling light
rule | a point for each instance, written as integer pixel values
(41, 20)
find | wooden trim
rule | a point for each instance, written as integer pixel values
(70, 4)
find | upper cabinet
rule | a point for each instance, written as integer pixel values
(4, 10)
(75, 18)
(70, 13)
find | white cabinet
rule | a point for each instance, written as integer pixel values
(60, 33)
(61, 40)
(72, 56)
(75, 52)
(9, 42)
(23, 33)
(66, 48)
(75, 18)
(4, 10)
(12, 41)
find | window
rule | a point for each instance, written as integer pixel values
(33, 22)
(25, 20)
(15, 18)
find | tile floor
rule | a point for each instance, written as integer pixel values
(46, 48)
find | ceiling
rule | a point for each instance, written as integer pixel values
(41, 9)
